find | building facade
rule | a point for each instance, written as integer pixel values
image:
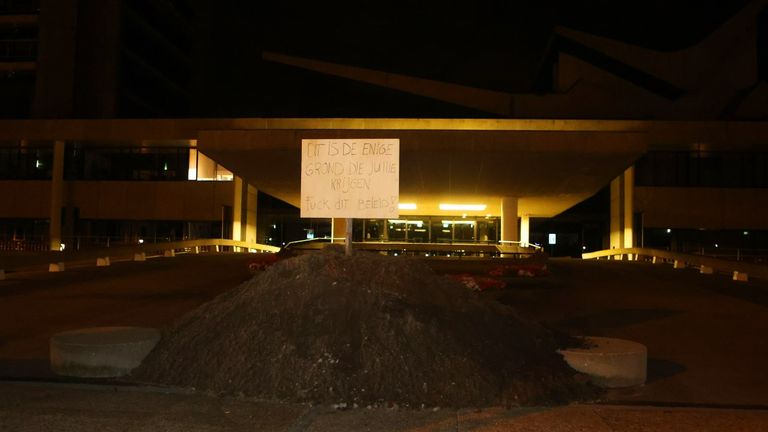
(677, 142)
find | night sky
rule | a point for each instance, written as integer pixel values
(496, 45)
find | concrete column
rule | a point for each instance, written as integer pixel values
(339, 228)
(57, 192)
(509, 230)
(237, 210)
(525, 230)
(616, 217)
(628, 207)
(622, 210)
(251, 211)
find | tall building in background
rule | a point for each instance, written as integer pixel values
(96, 58)
(103, 59)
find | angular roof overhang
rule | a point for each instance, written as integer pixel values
(547, 172)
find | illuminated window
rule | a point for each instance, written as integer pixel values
(203, 168)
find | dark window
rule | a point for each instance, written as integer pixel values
(702, 169)
(26, 162)
(126, 163)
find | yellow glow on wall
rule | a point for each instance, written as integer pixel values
(471, 207)
(447, 222)
(406, 206)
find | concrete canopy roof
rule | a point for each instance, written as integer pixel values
(547, 172)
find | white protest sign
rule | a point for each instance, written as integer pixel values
(350, 178)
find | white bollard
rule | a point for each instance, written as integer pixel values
(140, 256)
(197, 249)
(169, 253)
(654, 260)
(679, 264)
(56, 267)
(740, 276)
(706, 270)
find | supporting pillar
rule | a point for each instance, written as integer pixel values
(622, 210)
(237, 210)
(509, 230)
(525, 230)
(338, 229)
(238, 207)
(629, 209)
(251, 211)
(57, 192)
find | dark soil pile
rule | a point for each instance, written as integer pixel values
(364, 329)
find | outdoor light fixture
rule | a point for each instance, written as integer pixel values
(141, 241)
(446, 222)
(406, 206)
(471, 207)
(669, 230)
(408, 222)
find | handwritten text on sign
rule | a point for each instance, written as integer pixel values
(350, 178)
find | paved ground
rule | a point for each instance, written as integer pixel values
(68, 408)
(705, 335)
(36, 305)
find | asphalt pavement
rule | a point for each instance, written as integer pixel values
(705, 336)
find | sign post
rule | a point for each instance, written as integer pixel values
(350, 178)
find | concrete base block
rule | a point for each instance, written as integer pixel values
(56, 267)
(610, 363)
(101, 352)
(679, 264)
(140, 256)
(706, 270)
(740, 276)
(102, 262)
(169, 253)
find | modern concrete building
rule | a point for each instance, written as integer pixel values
(679, 138)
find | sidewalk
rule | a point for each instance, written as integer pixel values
(76, 407)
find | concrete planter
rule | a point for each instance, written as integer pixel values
(610, 363)
(101, 352)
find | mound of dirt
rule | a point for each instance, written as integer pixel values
(364, 329)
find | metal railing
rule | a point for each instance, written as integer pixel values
(448, 250)
(734, 254)
(40, 261)
(682, 260)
